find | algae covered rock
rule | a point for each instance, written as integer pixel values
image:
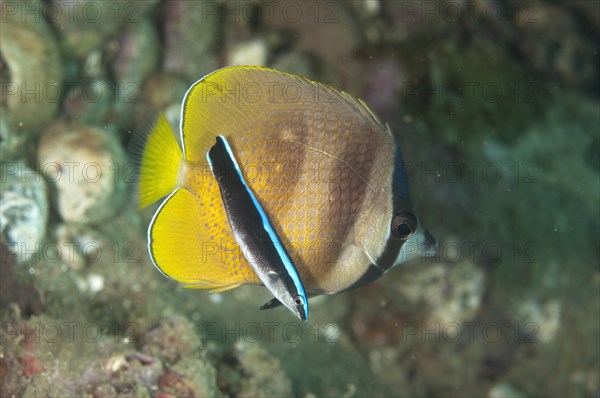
(173, 338)
(187, 370)
(11, 142)
(29, 49)
(137, 57)
(249, 53)
(44, 356)
(84, 165)
(160, 92)
(470, 90)
(450, 293)
(190, 31)
(557, 44)
(85, 25)
(248, 370)
(90, 102)
(23, 210)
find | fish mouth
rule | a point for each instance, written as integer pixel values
(421, 246)
(301, 308)
(430, 245)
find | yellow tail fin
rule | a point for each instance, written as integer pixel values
(160, 165)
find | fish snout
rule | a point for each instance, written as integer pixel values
(430, 245)
(422, 246)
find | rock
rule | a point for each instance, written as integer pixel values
(11, 142)
(90, 102)
(467, 98)
(367, 14)
(193, 375)
(33, 90)
(541, 319)
(250, 371)
(415, 19)
(86, 168)
(13, 291)
(299, 63)
(137, 57)
(160, 92)
(43, 356)
(172, 339)
(87, 24)
(190, 32)
(366, 8)
(461, 297)
(381, 86)
(249, 53)
(24, 210)
(505, 390)
(326, 29)
(138, 53)
(451, 293)
(588, 10)
(541, 181)
(162, 89)
(550, 41)
(79, 244)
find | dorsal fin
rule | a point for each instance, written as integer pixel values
(236, 99)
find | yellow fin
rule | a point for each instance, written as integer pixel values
(222, 289)
(239, 99)
(160, 163)
(181, 248)
(215, 288)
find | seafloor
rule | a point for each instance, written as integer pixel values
(495, 104)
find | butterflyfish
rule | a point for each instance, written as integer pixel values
(327, 173)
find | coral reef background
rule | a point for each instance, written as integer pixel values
(495, 104)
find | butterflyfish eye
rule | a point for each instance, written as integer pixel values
(404, 225)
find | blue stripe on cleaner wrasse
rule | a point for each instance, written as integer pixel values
(335, 192)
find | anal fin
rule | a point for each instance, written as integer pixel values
(182, 248)
(214, 287)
